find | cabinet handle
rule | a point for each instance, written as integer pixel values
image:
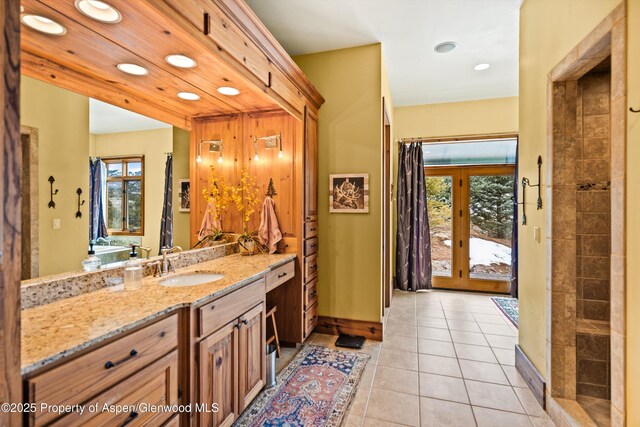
(237, 325)
(213, 306)
(280, 276)
(313, 245)
(245, 322)
(133, 353)
(132, 416)
(308, 218)
(312, 229)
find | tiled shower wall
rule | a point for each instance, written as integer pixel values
(593, 234)
(593, 198)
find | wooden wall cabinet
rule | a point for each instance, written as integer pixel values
(311, 165)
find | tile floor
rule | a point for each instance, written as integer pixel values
(447, 360)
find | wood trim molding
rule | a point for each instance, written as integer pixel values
(534, 379)
(337, 326)
(258, 32)
(10, 221)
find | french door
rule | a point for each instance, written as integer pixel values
(471, 218)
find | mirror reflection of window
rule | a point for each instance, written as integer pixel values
(125, 196)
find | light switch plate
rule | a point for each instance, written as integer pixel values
(56, 224)
(536, 234)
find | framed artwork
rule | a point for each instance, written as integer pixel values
(349, 193)
(185, 195)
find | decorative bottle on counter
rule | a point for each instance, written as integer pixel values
(133, 271)
(92, 262)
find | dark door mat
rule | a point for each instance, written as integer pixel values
(350, 341)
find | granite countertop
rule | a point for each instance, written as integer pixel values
(54, 331)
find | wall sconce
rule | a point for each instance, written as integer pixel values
(270, 142)
(215, 146)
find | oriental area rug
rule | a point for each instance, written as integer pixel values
(315, 389)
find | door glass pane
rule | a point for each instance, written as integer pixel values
(439, 208)
(114, 205)
(491, 219)
(134, 205)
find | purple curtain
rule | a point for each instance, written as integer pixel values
(514, 234)
(413, 242)
(97, 226)
(166, 223)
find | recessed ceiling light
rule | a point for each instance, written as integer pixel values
(44, 25)
(481, 67)
(180, 61)
(445, 47)
(229, 91)
(99, 10)
(189, 96)
(133, 69)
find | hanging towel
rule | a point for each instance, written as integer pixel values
(269, 229)
(210, 221)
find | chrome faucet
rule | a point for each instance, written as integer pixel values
(166, 264)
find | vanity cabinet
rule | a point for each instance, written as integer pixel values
(141, 366)
(232, 366)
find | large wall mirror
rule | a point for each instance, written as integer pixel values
(89, 147)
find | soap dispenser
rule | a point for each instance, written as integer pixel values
(133, 271)
(92, 262)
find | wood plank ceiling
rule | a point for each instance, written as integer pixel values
(84, 60)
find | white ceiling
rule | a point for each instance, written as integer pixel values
(107, 118)
(486, 31)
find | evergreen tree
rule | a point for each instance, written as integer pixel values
(491, 204)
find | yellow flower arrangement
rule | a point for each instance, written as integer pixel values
(218, 191)
(245, 196)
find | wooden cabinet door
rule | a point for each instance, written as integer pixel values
(310, 165)
(218, 357)
(252, 369)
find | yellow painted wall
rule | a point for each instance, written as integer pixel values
(62, 119)
(180, 171)
(549, 29)
(496, 115)
(152, 144)
(349, 142)
(633, 207)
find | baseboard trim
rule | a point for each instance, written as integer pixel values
(530, 374)
(336, 326)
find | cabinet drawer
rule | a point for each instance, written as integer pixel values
(173, 422)
(85, 376)
(218, 313)
(310, 229)
(311, 293)
(311, 246)
(310, 319)
(280, 275)
(156, 384)
(310, 267)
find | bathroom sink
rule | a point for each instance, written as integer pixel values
(192, 279)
